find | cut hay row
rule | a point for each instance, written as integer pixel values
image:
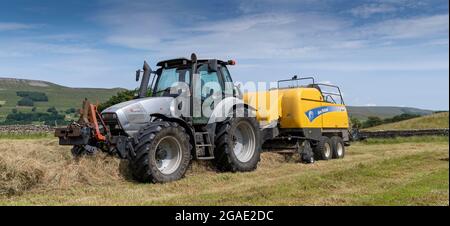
(38, 171)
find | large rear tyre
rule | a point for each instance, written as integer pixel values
(338, 147)
(323, 150)
(162, 153)
(238, 145)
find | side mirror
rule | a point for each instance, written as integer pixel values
(138, 74)
(237, 91)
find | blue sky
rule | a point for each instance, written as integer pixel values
(381, 52)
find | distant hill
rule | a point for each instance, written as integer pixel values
(59, 96)
(433, 121)
(362, 112)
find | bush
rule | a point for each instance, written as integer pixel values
(372, 121)
(35, 96)
(376, 121)
(52, 110)
(28, 118)
(119, 98)
(26, 101)
(71, 111)
(401, 117)
(356, 123)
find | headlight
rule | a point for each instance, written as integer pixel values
(109, 116)
(135, 108)
(136, 113)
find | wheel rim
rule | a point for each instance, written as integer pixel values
(168, 155)
(244, 141)
(340, 149)
(327, 150)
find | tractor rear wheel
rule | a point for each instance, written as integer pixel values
(162, 153)
(324, 149)
(338, 147)
(238, 144)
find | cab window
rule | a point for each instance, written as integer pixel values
(168, 77)
(210, 82)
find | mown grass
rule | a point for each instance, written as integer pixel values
(414, 139)
(426, 189)
(405, 173)
(25, 136)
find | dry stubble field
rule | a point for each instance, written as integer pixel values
(410, 171)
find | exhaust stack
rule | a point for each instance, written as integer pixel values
(145, 80)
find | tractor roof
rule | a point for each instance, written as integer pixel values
(184, 61)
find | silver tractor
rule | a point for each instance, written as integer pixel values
(193, 112)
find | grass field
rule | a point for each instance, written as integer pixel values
(363, 112)
(433, 121)
(410, 171)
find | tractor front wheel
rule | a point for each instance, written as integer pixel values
(162, 153)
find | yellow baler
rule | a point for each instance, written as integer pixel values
(297, 108)
(304, 113)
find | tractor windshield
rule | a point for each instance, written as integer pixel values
(168, 78)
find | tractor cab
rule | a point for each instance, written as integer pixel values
(203, 77)
(203, 82)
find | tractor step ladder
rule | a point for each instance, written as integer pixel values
(203, 142)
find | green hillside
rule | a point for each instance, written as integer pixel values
(362, 112)
(61, 97)
(434, 121)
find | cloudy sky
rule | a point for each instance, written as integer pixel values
(381, 52)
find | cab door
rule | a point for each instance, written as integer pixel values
(208, 93)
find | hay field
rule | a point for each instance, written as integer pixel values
(405, 172)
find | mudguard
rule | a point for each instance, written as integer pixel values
(225, 108)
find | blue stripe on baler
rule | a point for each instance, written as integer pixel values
(316, 112)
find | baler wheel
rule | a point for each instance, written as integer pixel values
(338, 147)
(324, 149)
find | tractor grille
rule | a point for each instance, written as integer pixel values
(112, 122)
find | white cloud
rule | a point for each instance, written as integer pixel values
(368, 10)
(9, 26)
(409, 28)
(169, 31)
(247, 36)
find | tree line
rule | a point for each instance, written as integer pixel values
(373, 121)
(51, 117)
(29, 97)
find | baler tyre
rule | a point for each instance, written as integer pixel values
(161, 154)
(338, 147)
(237, 145)
(323, 150)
